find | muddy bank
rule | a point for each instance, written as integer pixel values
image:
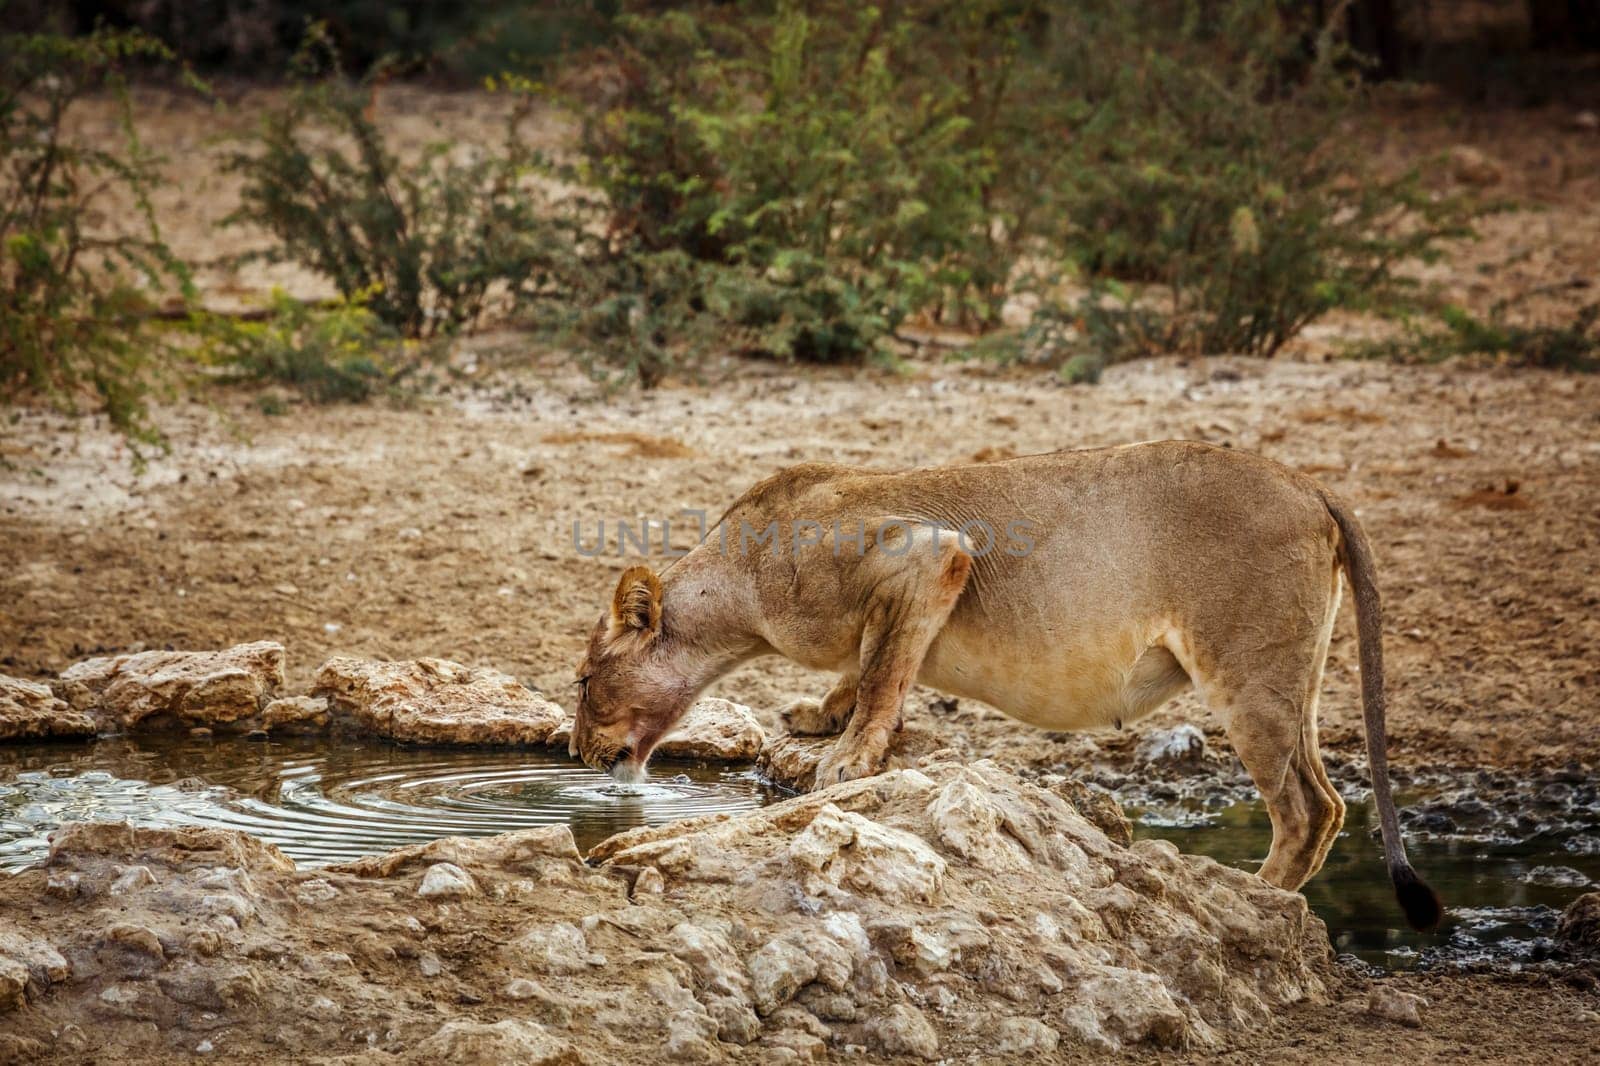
(880, 916)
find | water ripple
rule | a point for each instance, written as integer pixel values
(327, 802)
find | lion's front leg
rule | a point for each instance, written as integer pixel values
(902, 622)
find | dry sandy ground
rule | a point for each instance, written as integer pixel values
(444, 526)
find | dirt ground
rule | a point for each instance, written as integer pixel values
(443, 525)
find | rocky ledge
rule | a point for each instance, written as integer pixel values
(237, 690)
(937, 911)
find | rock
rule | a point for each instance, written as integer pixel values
(131, 879)
(715, 729)
(924, 911)
(137, 938)
(29, 710)
(509, 1040)
(153, 689)
(1098, 806)
(1471, 166)
(904, 1030)
(445, 880)
(1393, 1005)
(969, 825)
(433, 701)
(737, 1022)
(316, 890)
(1120, 1006)
(1025, 1035)
(295, 714)
(559, 948)
(20, 1049)
(791, 1046)
(1182, 747)
(13, 983)
(851, 852)
(522, 849)
(779, 970)
(691, 1037)
(1579, 928)
(715, 964)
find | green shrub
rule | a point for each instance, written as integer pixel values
(75, 300)
(341, 352)
(1216, 169)
(835, 170)
(1455, 331)
(430, 245)
(821, 198)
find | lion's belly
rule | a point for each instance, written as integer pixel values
(1067, 681)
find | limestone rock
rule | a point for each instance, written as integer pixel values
(187, 688)
(779, 970)
(559, 948)
(1019, 1035)
(295, 714)
(444, 880)
(904, 1030)
(508, 1040)
(1097, 805)
(715, 729)
(1393, 1005)
(28, 966)
(851, 852)
(29, 710)
(434, 701)
(942, 911)
(521, 849)
(1120, 1006)
(715, 964)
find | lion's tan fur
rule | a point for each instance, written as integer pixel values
(1153, 567)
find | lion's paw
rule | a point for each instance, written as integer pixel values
(805, 718)
(846, 764)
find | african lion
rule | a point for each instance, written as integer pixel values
(1090, 587)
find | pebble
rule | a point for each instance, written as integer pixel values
(444, 880)
(1393, 1005)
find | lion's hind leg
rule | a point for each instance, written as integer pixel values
(1271, 712)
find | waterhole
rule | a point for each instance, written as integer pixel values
(1504, 871)
(1506, 859)
(324, 803)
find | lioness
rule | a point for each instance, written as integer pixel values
(1090, 588)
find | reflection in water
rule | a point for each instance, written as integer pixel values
(323, 802)
(1502, 897)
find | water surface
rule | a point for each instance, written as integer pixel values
(325, 802)
(1503, 891)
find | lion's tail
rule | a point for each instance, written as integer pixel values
(1420, 903)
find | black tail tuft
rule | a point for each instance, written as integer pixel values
(1421, 903)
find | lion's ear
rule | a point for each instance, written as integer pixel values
(637, 604)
